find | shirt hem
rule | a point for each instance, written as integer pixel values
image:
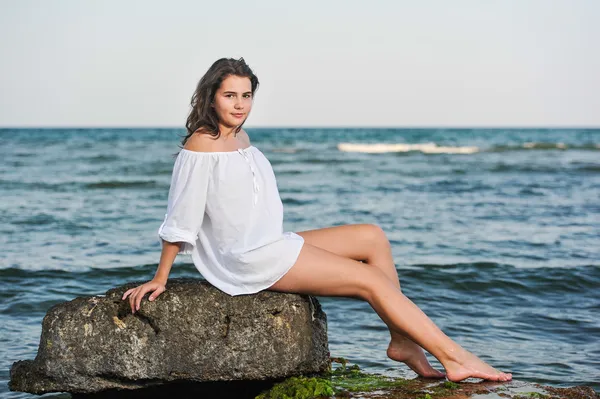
(276, 279)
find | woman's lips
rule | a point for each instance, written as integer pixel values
(238, 115)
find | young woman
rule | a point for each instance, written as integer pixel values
(224, 209)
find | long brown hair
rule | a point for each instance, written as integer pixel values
(203, 116)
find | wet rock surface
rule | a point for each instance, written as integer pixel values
(351, 382)
(421, 389)
(191, 333)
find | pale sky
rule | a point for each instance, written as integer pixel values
(119, 63)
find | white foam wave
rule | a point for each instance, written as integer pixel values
(427, 148)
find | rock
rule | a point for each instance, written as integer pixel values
(423, 389)
(192, 332)
(351, 382)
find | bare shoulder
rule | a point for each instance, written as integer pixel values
(201, 142)
(243, 136)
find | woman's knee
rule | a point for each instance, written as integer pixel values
(320, 272)
(376, 235)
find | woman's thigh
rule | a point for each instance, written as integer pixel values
(354, 241)
(324, 273)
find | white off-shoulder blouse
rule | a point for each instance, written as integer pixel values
(225, 209)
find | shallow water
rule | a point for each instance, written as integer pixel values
(498, 244)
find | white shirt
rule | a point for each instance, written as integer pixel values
(226, 209)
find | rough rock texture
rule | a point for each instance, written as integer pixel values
(191, 332)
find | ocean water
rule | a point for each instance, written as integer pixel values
(495, 232)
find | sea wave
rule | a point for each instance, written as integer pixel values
(69, 186)
(434, 148)
(122, 184)
(541, 146)
(503, 167)
(287, 150)
(426, 148)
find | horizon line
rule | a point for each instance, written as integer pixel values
(165, 127)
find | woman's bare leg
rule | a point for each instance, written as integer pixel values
(368, 243)
(323, 273)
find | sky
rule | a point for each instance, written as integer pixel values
(325, 63)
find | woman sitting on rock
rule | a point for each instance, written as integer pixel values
(225, 211)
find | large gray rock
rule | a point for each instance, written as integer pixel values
(191, 332)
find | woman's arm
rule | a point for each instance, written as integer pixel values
(158, 284)
(179, 231)
(167, 257)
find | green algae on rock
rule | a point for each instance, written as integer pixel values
(299, 388)
(352, 379)
(450, 385)
(341, 381)
(349, 381)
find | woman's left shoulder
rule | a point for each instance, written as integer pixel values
(244, 137)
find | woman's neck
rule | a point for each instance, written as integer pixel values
(228, 132)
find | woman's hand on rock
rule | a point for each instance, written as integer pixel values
(136, 294)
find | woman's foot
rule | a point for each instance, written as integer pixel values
(469, 365)
(406, 351)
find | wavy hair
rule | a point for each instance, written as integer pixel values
(202, 116)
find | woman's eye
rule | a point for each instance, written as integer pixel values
(233, 95)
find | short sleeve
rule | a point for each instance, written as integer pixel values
(187, 201)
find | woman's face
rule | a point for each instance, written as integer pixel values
(233, 101)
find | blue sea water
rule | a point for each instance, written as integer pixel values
(495, 232)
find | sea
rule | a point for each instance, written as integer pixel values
(495, 233)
